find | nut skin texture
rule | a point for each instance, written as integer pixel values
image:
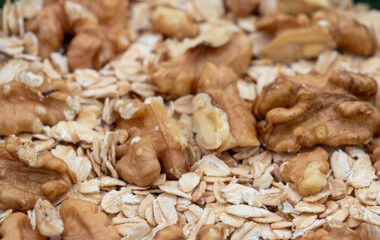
(139, 165)
(307, 170)
(23, 182)
(281, 22)
(82, 220)
(18, 227)
(209, 232)
(331, 233)
(242, 7)
(221, 84)
(179, 76)
(306, 110)
(174, 23)
(173, 232)
(18, 106)
(97, 33)
(168, 142)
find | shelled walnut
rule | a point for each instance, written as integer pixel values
(179, 76)
(27, 175)
(223, 120)
(158, 133)
(209, 232)
(18, 227)
(307, 170)
(173, 232)
(242, 7)
(99, 30)
(332, 231)
(82, 220)
(306, 110)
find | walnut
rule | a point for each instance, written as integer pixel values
(306, 110)
(174, 23)
(242, 7)
(179, 76)
(49, 222)
(173, 232)
(275, 24)
(332, 231)
(223, 120)
(18, 227)
(99, 30)
(27, 175)
(161, 139)
(209, 232)
(82, 220)
(307, 170)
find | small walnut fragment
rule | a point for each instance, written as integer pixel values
(332, 231)
(49, 223)
(242, 7)
(18, 227)
(305, 110)
(99, 30)
(27, 175)
(209, 232)
(223, 120)
(173, 232)
(276, 24)
(307, 170)
(174, 23)
(179, 76)
(82, 220)
(160, 139)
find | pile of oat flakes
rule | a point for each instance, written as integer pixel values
(71, 116)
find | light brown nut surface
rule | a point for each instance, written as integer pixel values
(220, 83)
(275, 24)
(18, 227)
(242, 7)
(173, 232)
(209, 232)
(307, 170)
(82, 220)
(48, 220)
(174, 23)
(306, 110)
(168, 142)
(335, 231)
(27, 175)
(179, 76)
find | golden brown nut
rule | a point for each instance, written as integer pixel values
(168, 143)
(18, 227)
(48, 220)
(173, 232)
(98, 28)
(26, 175)
(82, 220)
(174, 23)
(209, 232)
(281, 22)
(139, 165)
(242, 7)
(222, 118)
(179, 76)
(332, 231)
(307, 170)
(306, 110)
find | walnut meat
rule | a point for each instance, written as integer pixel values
(18, 227)
(305, 110)
(307, 170)
(242, 7)
(98, 29)
(332, 231)
(82, 220)
(179, 76)
(174, 23)
(209, 232)
(173, 232)
(160, 136)
(222, 118)
(27, 175)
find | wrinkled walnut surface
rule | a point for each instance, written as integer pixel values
(209, 232)
(26, 176)
(173, 232)
(18, 227)
(331, 233)
(306, 110)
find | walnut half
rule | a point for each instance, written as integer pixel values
(305, 110)
(18, 227)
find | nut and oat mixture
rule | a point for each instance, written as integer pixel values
(189, 119)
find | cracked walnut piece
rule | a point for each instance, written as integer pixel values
(174, 23)
(99, 29)
(173, 232)
(27, 175)
(179, 76)
(18, 227)
(209, 232)
(307, 170)
(332, 231)
(82, 220)
(160, 139)
(306, 110)
(223, 120)
(242, 7)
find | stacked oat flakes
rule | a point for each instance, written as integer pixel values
(189, 119)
